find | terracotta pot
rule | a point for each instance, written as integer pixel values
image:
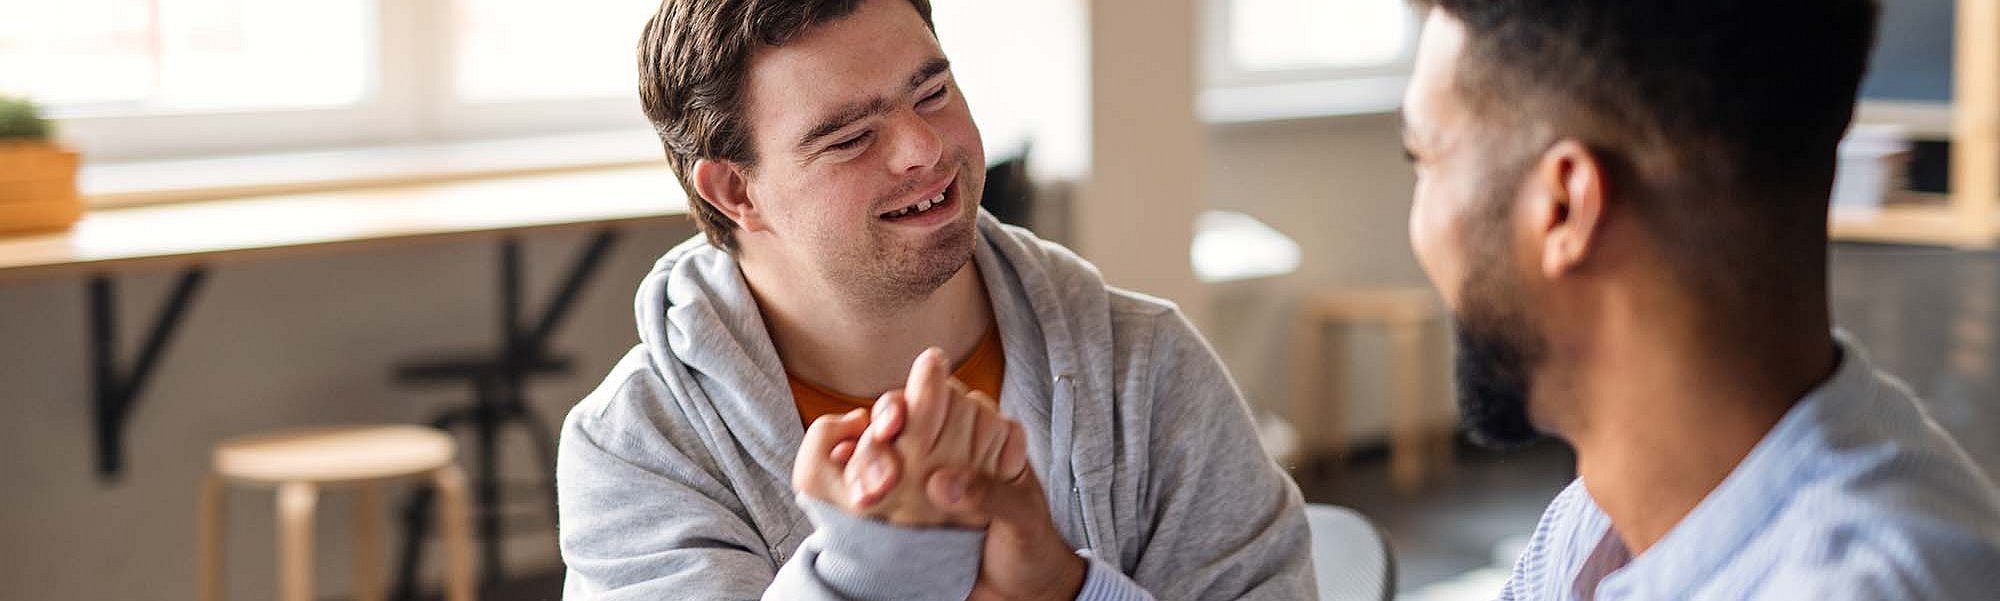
(37, 187)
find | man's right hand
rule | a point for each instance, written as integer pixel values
(877, 465)
(933, 422)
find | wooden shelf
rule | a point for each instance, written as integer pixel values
(1970, 216)
(241, 228)
(1927, 224)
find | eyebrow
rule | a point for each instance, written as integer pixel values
(849, 113)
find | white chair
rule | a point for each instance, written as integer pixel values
(1351, 559)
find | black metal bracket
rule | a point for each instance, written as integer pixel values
(497, 402)
(117, 390)
(525, 344)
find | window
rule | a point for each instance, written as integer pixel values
(1023, 65)
(535, 49)
(160, 78)
(1291, 35)
(1279, 59)
(184, 55)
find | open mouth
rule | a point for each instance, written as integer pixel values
(942, 199)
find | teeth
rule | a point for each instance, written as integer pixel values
(921, 206)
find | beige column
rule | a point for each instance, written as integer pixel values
(1135, 215)
(1975, 148)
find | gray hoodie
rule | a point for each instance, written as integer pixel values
(674, 476)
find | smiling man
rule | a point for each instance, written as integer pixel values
(835, 172)
(1625, 204)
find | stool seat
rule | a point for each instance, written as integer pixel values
(301, 464)
(335, 454)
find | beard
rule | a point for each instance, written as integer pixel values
(1498, 345)
(892, 271)
(1493, 377)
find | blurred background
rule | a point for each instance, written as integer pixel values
(297, 213)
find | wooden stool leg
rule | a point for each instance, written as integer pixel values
(1307, 377)
(212, 525)
(1336, 396)
(296, 504)
(453, 513)
(1435, 385)
(367, 542)
(1408, 441)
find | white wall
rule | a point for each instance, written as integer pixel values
(279, 343)
(1022, 65)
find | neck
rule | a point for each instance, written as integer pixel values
(1669, 397)
(864, 349)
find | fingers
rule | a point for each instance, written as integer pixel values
(872, 473)
(842, 451)
(928, 397)
(989, 434)
(970, 496)
(886, 420)
(816, 469)
(955, 443)
(1013, 453)
(830, 431)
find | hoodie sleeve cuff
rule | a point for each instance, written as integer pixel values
(864, 558)
(1105, 583)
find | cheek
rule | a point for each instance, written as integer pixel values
(958, 130)
(801, 207)
(1435, 237)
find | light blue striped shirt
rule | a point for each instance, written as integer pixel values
(1855, 494)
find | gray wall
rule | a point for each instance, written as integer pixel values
(1339, 187)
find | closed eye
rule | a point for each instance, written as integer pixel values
(851, 143)
(935, 98)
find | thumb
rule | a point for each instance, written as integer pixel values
(965, 492)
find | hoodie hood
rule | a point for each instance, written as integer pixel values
(700, 326)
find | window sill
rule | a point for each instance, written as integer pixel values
(132, 183)
(1921, 120)
(1302, 100)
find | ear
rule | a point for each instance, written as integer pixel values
(724, 186)
(1566, 206)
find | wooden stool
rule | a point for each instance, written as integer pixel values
(1408, 314)
(361, 458)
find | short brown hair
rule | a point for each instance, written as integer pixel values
(692, 59)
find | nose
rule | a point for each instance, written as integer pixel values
(917, 146)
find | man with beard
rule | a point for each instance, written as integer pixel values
(1624, 202)
(835, 172)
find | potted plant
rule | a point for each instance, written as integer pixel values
(37, 175)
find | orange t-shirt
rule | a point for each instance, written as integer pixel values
(982, 372)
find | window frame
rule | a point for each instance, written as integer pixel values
(411, 99)
(1232, 94)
